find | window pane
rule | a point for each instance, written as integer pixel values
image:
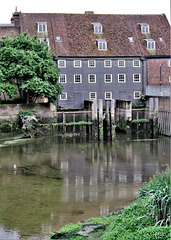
(77, 63)
(92, 95)
(77, 78)
(108, 63)
(91, 63)
(108, 95)
(63, 96)
(108, 78)
(62, 78)
(61, 63)
(121, 77)
(136, 77)
(136, 63)
(121, 63)
(92, 78)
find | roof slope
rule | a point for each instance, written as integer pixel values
(78, 38)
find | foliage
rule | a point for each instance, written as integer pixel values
(139, 120)
(71, 228)
(27, 68)
(137, 221)
(141, 104)
(158, 192)
(26, 113)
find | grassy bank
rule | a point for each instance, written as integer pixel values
(148, 218)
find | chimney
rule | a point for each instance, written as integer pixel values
(89, 12)
(16, 18)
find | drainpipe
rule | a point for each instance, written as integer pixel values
(144, 75)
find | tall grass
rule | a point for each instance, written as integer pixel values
(158, 194)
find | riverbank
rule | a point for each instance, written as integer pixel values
(148, 218)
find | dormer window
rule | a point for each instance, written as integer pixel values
(41, 27)
(150, 44)
(102, 44)
(144, 28)
(97, 28)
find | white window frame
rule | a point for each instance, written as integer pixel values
(77, 63)
(45, 40)
(108, 98)
(105, 78)
(91, 65)
(107, 63)
(90, 95)
(121, 63)
(63, 96)
(75, 81)
(151, 44)
(64, 80)
(42, 27)
(97, 28)
(62, 63)
(102, 44)
(89, 78)
(135, 79)
(124, 79)
(145, 29)
(137, 97)
(135, 63)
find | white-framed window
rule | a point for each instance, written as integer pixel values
(121, 77)
(108, 78)
(97, 28)
(77, 78)
(45, 40)
(150, 44)
(107, 63)
(121, 63)
(108, 95)
(62, 63)
(62, 78)
(63, 96)
(92, 95)
(92, 78)
(137, 94)
(136, 63)
(77, 63)
(102, 44)
(144, 28)
(42, 27)
(91, 63)
(136, 77)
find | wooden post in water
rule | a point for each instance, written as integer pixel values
(94, 120)
(112, 124)
(100, 101)
(64, 121)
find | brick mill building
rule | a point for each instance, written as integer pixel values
(102, 56)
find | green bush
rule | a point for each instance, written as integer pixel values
(26, 113)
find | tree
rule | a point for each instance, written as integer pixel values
(27, 68)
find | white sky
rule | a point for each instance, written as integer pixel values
(80, 6)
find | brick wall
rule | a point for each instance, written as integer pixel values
(158, 74)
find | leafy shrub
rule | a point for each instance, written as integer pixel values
(26, 113)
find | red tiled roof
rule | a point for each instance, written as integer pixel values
(78, 38)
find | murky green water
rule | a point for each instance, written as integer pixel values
(64, 180)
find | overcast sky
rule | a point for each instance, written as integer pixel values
(80, 6)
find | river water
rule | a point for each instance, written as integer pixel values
(63, 180)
